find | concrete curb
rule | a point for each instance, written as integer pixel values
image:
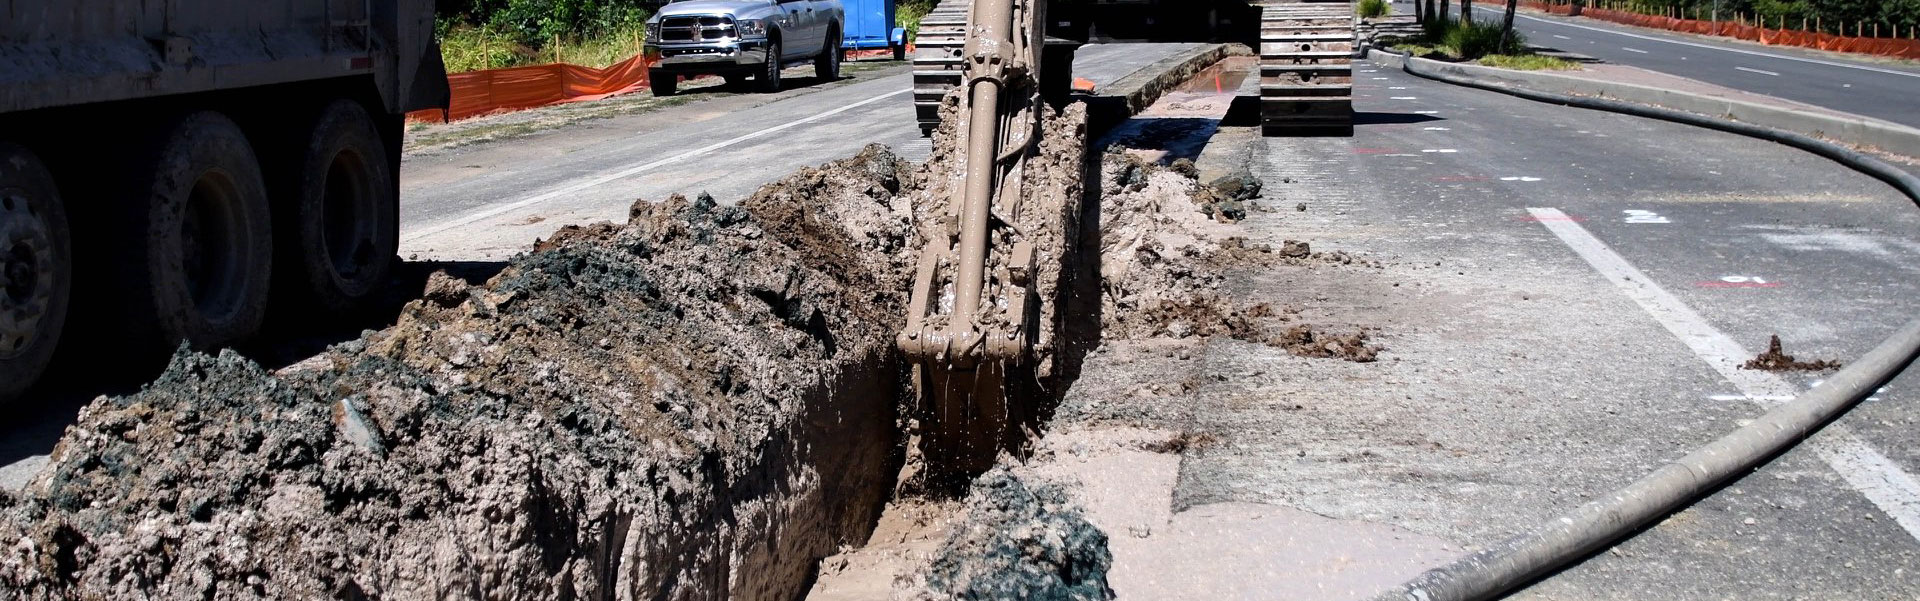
(1137, 90)
(1858, 131)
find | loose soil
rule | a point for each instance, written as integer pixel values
(1776, 361)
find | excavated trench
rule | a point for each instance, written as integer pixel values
(701, 403)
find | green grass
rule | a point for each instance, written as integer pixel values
(471, 48)
(1529, 62)
(908, 14)
(1454, 40)
(1373, 9)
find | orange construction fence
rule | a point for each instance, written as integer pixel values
(1893, 47)
(489, 91)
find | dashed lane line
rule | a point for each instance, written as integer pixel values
(1868, 471)
(1633, 50)
(1762, 72)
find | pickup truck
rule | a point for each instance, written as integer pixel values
(738, 39)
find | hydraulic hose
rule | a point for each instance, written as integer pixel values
(1598, 524)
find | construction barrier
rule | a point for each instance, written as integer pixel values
(489, 91)
(1893, 47)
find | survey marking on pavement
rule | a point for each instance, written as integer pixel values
(609, 177)
(1633, 50)
(1440, 150)
(1866, 470)
(1760, 71)
(1644, 216)
(1739, 281)
(1406, 98)
(1519, 178)
(1438, 129)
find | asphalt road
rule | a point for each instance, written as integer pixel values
(1882, 90)
(1531, 365)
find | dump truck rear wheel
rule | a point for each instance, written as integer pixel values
(36, 269)
(343, 233)
(198, 238)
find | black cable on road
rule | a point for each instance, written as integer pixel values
(1600, 523)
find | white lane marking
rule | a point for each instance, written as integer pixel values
(1519, 178)
(1438, 129)
(1406, 98)
(1562, 37)
(1756, 71)
(1712, 47)
(1426, 112)
(1748, 397)
(1877, 478)
(1379, 78)
(632, 171)
(1633, 50)
(1644, 216)
(1440, 150)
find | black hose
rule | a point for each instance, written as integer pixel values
(1597, 524)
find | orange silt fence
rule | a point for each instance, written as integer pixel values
(1892, 47)
(489, 91)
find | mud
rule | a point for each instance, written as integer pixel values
(1776, 361)
(693, 405)
(1019, 538)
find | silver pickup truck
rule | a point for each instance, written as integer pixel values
(738, 39)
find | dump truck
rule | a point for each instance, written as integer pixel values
(982, 320)
(170, 172)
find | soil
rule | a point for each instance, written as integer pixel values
(1020, 538)
(692, 405)
(1776, 361)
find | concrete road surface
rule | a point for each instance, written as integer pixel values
(1565, 299)
(1875, 88)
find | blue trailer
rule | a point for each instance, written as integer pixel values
(870, 25)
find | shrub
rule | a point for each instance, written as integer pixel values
(1373, 9)
(1474, 40)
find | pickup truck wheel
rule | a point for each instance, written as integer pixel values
(663, 84)
(340, 233)
(827, 65)
(36, 269)
(769, 81)
(197, 239)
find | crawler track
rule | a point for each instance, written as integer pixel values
(1306, 68)
(936, 59)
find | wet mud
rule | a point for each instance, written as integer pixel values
(1774, 360)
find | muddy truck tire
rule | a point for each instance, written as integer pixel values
(36, 269)
(195, 239)
(338, 226)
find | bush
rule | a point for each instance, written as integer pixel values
(908, 14)
(1474, 40)
(1373, 9)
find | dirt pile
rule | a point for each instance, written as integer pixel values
(692, 405)
(1775, 360)
(1019, 538)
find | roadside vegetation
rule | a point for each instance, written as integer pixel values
(1447, 37)
(907, 13)
(1374, 9)
(492, 34)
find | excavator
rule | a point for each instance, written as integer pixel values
(985, 311)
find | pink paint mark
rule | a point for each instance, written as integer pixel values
(1737, 284)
